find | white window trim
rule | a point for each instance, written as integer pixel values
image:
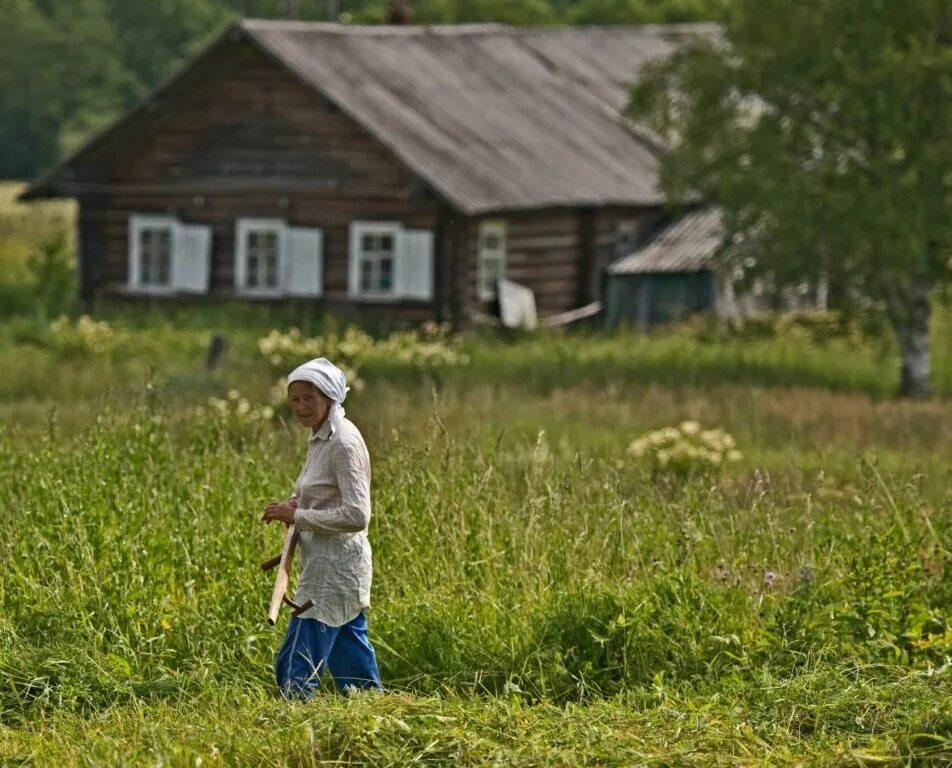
(499, 227)
(242, 228)
(357, 230)
(137, 223)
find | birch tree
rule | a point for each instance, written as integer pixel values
(823, 129)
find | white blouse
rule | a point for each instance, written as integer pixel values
(333, 494)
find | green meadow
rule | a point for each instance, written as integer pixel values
(545, 593)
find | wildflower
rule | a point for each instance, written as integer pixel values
(690, 427)
(722, 573)
(734, 455)
(638, 448)
(806, 574)
(233, 394)
(769, 578)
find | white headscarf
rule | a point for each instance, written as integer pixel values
(329, 379)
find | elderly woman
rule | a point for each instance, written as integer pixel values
(331, 509)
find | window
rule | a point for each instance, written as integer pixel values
(167, 256)
(151, 250)
(273, 259)
(155, 255)
(377, 255)
(626, 238)
(374, 254)
(262, 268)
(259, 256)
(491, 266)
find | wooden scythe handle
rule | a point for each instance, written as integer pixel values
(283, 576)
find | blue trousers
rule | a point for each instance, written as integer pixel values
(310, 647)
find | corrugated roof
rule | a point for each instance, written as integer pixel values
(689, 244)
(492, 117)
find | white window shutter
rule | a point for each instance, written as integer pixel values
(134, 274)
(241, 261)
(353, 259)
(305, 273)
(415, 265)
(191, 258)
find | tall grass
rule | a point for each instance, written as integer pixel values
(539, 598)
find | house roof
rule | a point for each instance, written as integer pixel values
(491, 117)
(689, 244)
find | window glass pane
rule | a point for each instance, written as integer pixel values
(271, 270)
(261, 254)
(155, 255)
(386, 243)
(366, 275)
(368, 243)
(164, 269)
(386, 274)
(492, 241)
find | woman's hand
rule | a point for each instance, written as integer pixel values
(280, 510)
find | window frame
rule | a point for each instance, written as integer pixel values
(139, 223)
(627, 237)
(487, 227)
(358, 230)
(245, 227)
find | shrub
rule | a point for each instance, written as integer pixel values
(686, 449)
(84, 337)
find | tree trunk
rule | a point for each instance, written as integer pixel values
(913, 333)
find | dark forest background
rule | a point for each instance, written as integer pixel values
(68, 67)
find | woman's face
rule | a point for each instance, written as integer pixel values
(309, 404)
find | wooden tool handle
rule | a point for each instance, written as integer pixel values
(283, 576)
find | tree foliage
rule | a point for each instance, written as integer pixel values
(68, 68)
(824, 132)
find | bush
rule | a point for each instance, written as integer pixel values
(686, 449)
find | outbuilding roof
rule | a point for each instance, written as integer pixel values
(689, 244)
(491, 117)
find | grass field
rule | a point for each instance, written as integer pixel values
(542, 595)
